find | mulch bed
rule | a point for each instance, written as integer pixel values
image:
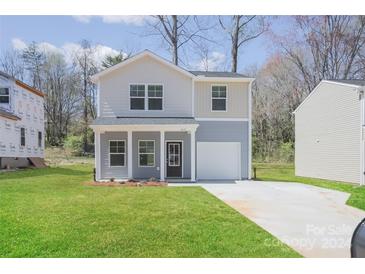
(130, 183)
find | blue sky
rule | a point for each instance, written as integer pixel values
(125, 33)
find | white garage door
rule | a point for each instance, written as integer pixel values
(218, 160)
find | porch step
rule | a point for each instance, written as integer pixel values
(37, 162)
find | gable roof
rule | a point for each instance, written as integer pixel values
(22, 84)
(350, 83)
(218, 74)
(193, 74)
(136, 57)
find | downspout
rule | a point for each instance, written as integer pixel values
(250, 130)
(362, 140)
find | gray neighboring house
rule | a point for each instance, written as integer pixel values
(156, 119)
(329, 132)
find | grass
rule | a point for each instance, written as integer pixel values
(52, 213)
(58, 156)
(285, 173)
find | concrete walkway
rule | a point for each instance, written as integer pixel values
(314, 221)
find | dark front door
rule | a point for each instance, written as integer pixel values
(174, 159)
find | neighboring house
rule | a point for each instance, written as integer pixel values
(329, 132)
(156, 119)
(21, 123)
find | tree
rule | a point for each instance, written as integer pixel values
(111, 60)
(62, 88)
(326, 47)
(12, 63)
(86, 67)
(242, 29)
(34, 60)
(177, 31)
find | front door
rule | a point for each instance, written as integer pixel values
(174, 159)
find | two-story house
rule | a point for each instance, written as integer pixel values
(21, 123)
(156, 119)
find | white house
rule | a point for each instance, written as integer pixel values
(156, 119)
(21, 123)
(329, 132)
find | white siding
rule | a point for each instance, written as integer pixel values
(237, 100)
(29, 107)
(327, 134)
(114, 89)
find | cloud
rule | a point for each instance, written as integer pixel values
(215, 61)
(18, 44)
(68, 50)
(137, 20)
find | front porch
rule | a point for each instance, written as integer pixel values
(163, 148)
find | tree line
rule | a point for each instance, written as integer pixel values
(312, 49)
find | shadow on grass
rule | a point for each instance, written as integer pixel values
(32, 172)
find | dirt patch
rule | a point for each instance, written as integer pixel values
(128, 184)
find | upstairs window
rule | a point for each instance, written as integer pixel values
(137, 96)
(155, 94)
(219, 98)
(22, 136)
(4, 96)
(117, 153)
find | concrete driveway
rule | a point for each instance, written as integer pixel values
(314, 221)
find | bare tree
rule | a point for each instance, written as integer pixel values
(85, 64)
(242, 29)
(326, 47)
(177, 31)
(12, 63)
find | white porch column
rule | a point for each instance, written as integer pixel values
(130, 155)
(162, 155)
(192, 154)
(97, 156)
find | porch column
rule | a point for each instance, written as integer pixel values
(130, 155)
(97, 155)
(192, 155)
(162, 155)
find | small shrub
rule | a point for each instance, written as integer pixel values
(74, 145)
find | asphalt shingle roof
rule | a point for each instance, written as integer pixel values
(356, 82)
(7, 114)
(218, 74)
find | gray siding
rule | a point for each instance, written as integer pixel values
(146, 172)
(114, 89)
(327, 132)
(237, 100)
(108, 172)
(224, 131)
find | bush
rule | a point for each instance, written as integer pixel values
(74, 145)
(286, 152)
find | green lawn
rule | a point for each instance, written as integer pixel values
(52, 213)
(285, 173)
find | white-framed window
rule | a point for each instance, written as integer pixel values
(174, 154)
(155, 97)
(219, 98)
(137, 97)
(22, 136)
(39, 138)
(146, 153)
(117, 153)
(4, 95)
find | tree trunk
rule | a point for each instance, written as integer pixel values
(175, 58)
(234, 48)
